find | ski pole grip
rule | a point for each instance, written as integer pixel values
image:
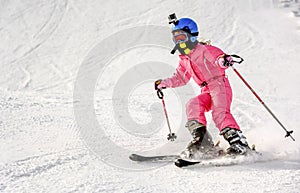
(156, 83)
(160, 94)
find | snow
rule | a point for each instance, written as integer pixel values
(76, 95)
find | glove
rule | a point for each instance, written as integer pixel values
(159, 84)
(224, 61)
(228, 61)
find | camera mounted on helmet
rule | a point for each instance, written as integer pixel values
(173, 19)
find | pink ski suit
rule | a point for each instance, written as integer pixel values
(204, 65)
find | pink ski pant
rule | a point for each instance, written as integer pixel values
(217, 97)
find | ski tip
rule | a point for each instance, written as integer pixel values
(184, 163)
(134, 157)
(178, 163)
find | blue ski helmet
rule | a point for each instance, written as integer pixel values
(188, 25)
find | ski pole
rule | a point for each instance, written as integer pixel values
(288, 133)
(171, 136)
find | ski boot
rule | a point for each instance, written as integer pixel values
(202, 141)
(236, 140)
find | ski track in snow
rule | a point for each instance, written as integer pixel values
(43, 45)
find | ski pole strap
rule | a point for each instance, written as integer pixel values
(238, 57)
(160, 94)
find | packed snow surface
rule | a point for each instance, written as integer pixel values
(77, 95)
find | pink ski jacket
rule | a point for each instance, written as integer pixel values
(204, 64)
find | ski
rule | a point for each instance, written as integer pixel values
(141, 158)
(223, 160)
(220, 159)
(216, 162)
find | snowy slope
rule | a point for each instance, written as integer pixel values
(77, 95)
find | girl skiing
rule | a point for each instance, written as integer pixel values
(206, 64)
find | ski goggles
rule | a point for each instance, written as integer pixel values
(180, 37)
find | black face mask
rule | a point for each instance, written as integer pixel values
(185, 47)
